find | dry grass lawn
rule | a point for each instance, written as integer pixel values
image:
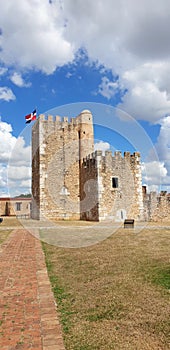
(6, 227)
(3, 235)
(10, 222)
(115, 294)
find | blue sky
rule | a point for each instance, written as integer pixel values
(110, 57)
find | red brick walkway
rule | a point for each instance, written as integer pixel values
(28, 317)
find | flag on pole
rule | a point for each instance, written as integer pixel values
(31, 116)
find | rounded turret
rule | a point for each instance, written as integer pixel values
(86, 135)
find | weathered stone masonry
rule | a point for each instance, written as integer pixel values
(115, 203)
(71, 181)
(58, 148)
(156, 206)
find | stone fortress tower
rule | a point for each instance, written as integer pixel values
(72, 182)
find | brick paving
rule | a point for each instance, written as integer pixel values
(28, 316)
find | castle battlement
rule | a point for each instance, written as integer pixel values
(82, 123)
(108, 158)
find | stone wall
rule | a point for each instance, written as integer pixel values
(156, 206)
(20, 207)
(113, 186)
(59, 147)
(89, 189)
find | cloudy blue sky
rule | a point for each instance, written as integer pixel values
(59, 52)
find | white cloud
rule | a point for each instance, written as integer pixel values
(26, 184)
(53, 91)
(20, 154)
(15, 160)
(3, 70)
(163, 142)
(147, 96)
(102, 146)
(3, 176)
(163, 147)
(13, 150)
(17, 79)
(7, 141)
(158, 172)
(153, 174)
(122, 35)
(68, 75)
(126, 37)
(38, 29)
(19, 173)
(108, 88)
(154, 170)
(6, 94)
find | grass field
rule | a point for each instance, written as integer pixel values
(6, 227)
(115, 294)
(10, 222)
(3, 235)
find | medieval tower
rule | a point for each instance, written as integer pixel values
(70, 181)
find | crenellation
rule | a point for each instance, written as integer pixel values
(50, 118)
(41, 117)
(89, 160)
(57, 119)
(127, 155)
(118, 154)
(108, 154)
(98, 153)
(65, 119)
(107, 159)
(136, 155)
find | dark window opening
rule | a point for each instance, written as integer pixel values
(114, 182)
(18, 206)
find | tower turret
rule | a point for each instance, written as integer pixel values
(85, 134)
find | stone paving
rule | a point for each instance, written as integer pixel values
(28, 315)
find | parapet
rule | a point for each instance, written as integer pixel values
(127, 155)
(136, 154)
(41, 117)
(55, 122)
(109, 160)
(84, 117)
(118, 154)
(50, 118)
(57, 119)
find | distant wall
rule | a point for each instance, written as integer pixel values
(15, 207)
(157, 206)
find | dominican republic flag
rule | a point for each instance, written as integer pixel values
(31, 116)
